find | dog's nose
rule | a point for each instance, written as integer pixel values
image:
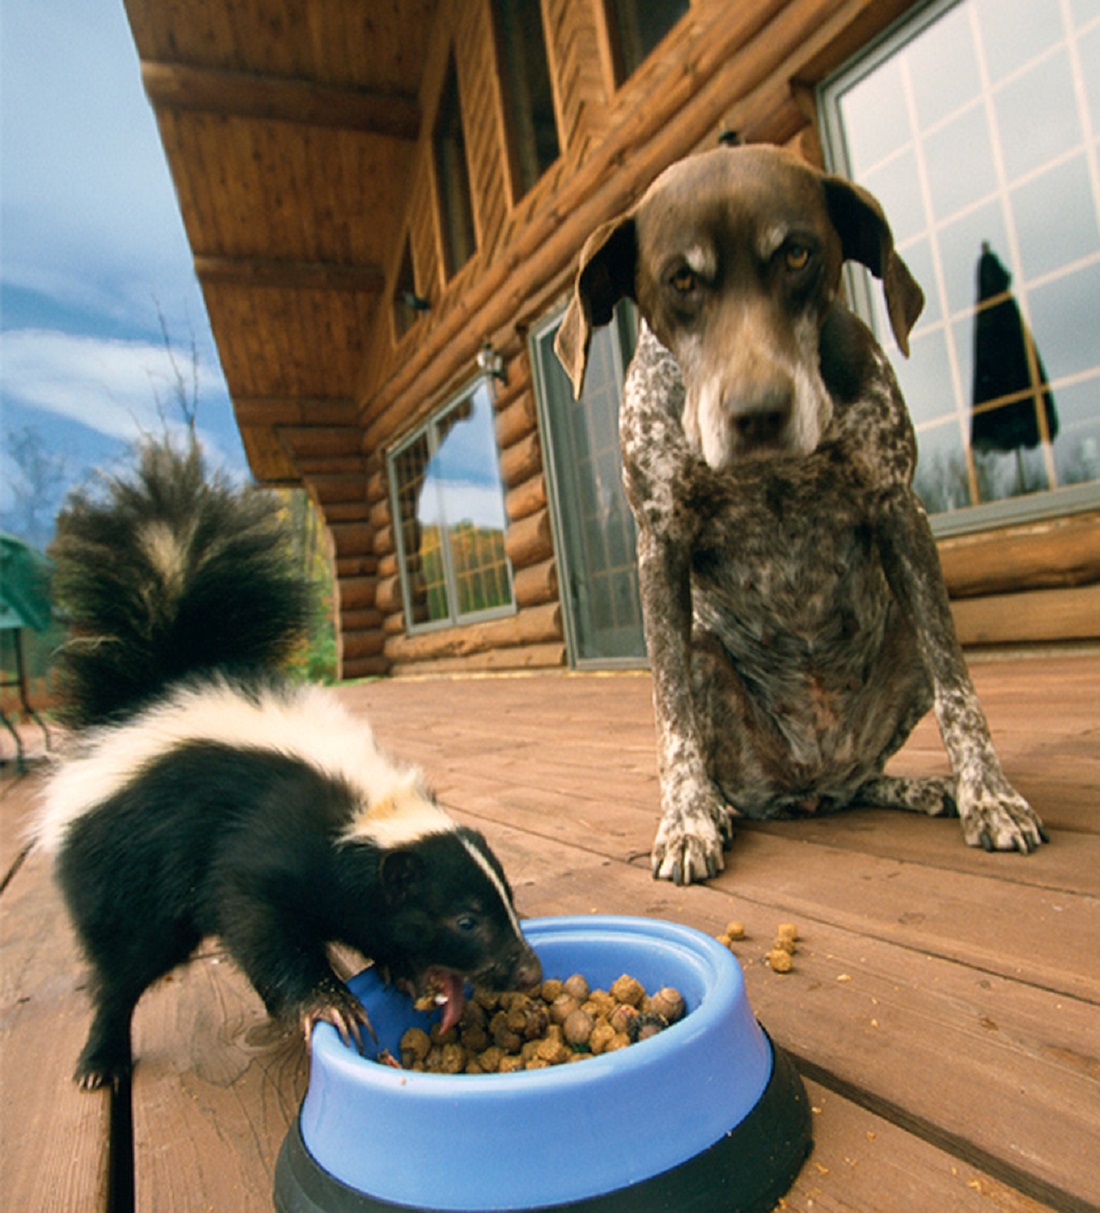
(760, 424)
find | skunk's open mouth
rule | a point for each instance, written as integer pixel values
(438, 987)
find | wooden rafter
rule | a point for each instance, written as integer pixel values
(289, 275)
(281, 99)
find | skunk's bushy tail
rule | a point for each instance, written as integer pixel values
(168, 572)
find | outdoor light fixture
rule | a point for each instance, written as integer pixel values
(415, 302)
(489, 361)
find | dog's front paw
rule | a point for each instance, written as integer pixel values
(691, 839)
(996, 817)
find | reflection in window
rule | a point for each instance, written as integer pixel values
(529, 99)
(976, 129)
(636, 26)
(449, 506)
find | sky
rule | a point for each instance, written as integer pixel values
(94, 264)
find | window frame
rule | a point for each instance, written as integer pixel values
(429, 428)
(455, 207)
(1039, 506)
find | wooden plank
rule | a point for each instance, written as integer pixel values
(280, 99)
(941, 1048)
(215, 1087)
(54, 1138)
(287, 274)
(861, 1161)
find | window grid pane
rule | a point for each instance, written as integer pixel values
(451, 521)
(977, 135)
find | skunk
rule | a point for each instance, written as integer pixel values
(208, 794)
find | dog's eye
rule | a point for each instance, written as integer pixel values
(467, 923)
(684, 280)
(797, 257)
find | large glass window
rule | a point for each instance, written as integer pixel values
(529, 98)
(976, 126)
(594, 528)
(448, 500)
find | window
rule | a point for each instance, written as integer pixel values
(636, 26)
(456, 206)
(976, 127)
(593, 527)
(448, 500)
(407, 305)
(528, 97)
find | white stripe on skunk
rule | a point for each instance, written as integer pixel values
(300, 722)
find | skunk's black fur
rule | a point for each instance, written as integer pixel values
(206, 795)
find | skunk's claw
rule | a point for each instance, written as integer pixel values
(335, 1004)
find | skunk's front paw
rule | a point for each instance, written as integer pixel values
(332, 1002)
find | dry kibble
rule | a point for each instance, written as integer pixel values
(669, 1003)
(784, 944)
(735, 930)
(577, 1029)
(788, 930)
(780, 961)
(554, 1023)
(627, 989)
(621, 1017)
(577, 985)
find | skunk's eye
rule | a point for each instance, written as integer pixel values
(797, 257)
(684, 280)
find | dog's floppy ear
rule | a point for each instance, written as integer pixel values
(866, 237)
(605, 275)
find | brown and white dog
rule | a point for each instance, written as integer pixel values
(795, 612)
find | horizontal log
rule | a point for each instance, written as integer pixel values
(525, 657)
(362, 565)
(529, 540)
(380, 513)
(383, 541)
(295, 410)
(280, 99)
(517, 420)
(1035, 616)
(351, 539)
(330, 487)
(344, 511)
(1060, 551)
(521, 461)
(388, 594)
(537, 583)
(365, 667)
(357, 592)
(362, 644)
(285, 274)
(322, 441)
(526, 497)
(537, 625)
(361, 620)
(376, 489)
(387, 565)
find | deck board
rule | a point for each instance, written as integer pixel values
(943, 1005)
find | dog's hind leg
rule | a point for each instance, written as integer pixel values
(934, 797)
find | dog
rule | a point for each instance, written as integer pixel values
(795, 613)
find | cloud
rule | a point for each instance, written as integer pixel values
(120, 388)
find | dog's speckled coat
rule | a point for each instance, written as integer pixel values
(795, 613)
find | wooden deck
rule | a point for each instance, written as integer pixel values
(943, 1007)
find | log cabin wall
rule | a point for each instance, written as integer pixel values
(300, 138)
(747, 67)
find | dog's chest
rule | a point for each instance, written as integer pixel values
(794, 572)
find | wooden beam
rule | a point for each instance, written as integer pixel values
(283, 274)
(280, 99)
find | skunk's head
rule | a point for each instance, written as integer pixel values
(449, 914)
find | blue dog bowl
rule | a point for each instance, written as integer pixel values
(708, 1115)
